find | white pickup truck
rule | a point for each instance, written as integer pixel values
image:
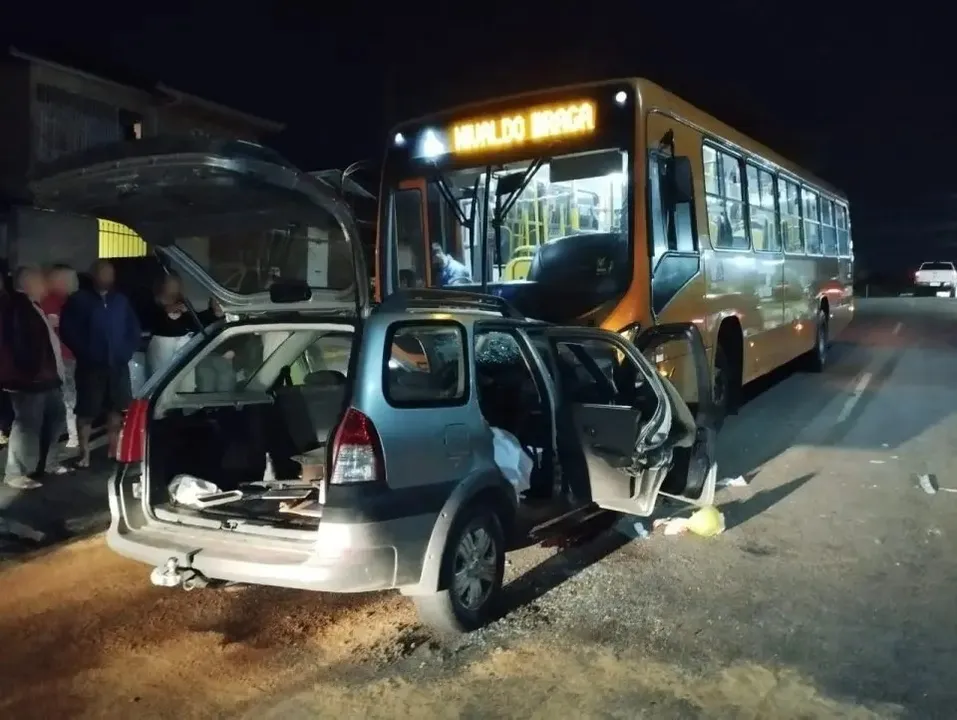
(934, 277)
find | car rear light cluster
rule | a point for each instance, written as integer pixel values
(356, 451)
(131, 445)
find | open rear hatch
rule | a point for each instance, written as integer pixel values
(242, 225)
(232, 216)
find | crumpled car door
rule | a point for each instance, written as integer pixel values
(693, 474)
(638, 435)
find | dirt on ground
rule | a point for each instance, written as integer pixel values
(829, 595)
(84, 635)
(535, 680)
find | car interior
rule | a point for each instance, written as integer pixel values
(511, 398)
(286, 403)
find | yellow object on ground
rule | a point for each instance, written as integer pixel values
(706, 522)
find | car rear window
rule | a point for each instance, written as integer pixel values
(232, 362)
(426, 365)
(937, 266)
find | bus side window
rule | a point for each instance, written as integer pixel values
(656, 211)
(673, 228)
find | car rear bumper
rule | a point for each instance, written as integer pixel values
(928, 287)
(343, 558)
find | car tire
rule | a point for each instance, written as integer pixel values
(450, 611)
(953, 292)
(816, 357)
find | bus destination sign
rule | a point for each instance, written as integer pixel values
(514, 129)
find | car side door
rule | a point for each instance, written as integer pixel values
(693, 475)
(638, 435)
(609, 403)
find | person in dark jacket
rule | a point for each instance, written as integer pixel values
(101, 329)
(31, 373)
(171, 323)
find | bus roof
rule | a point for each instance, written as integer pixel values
(653, 96)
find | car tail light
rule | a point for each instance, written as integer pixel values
(131, 445)
(356, 451)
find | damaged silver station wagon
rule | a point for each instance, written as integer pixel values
(350, 447)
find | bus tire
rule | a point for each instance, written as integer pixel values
(727, 374)
(815, 360)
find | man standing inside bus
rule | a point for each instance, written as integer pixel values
(446, 270)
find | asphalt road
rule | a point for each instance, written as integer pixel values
(830, 594)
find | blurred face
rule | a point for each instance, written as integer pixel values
(60, 282)
(104, 277)
(438, 260)
(34, 285)
(172, 288)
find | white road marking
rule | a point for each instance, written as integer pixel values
(897, 328)
(853, 399)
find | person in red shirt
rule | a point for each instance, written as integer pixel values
(61, 283)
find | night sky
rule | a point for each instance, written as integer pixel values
(867, 102)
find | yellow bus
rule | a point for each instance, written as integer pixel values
(617, 204)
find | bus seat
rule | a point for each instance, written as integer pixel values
(517, 268)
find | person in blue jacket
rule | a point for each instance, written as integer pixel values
(98, 324)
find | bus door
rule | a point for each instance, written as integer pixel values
(408, 259)
(675, 258)
(423, 219)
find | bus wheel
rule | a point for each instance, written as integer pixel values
(723, 384)
(816, 358)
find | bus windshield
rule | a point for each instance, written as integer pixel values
(560, 224)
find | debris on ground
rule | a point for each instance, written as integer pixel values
(17, 529)
(927, 483)
(738, 481)
(671, 526)
(704, 522)
(632, 527)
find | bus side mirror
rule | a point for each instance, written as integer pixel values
(680, 184)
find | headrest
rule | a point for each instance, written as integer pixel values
(325, 378)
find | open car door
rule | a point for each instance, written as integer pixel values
(638, 435)
(239, 221)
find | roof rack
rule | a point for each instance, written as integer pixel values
(464, 299)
